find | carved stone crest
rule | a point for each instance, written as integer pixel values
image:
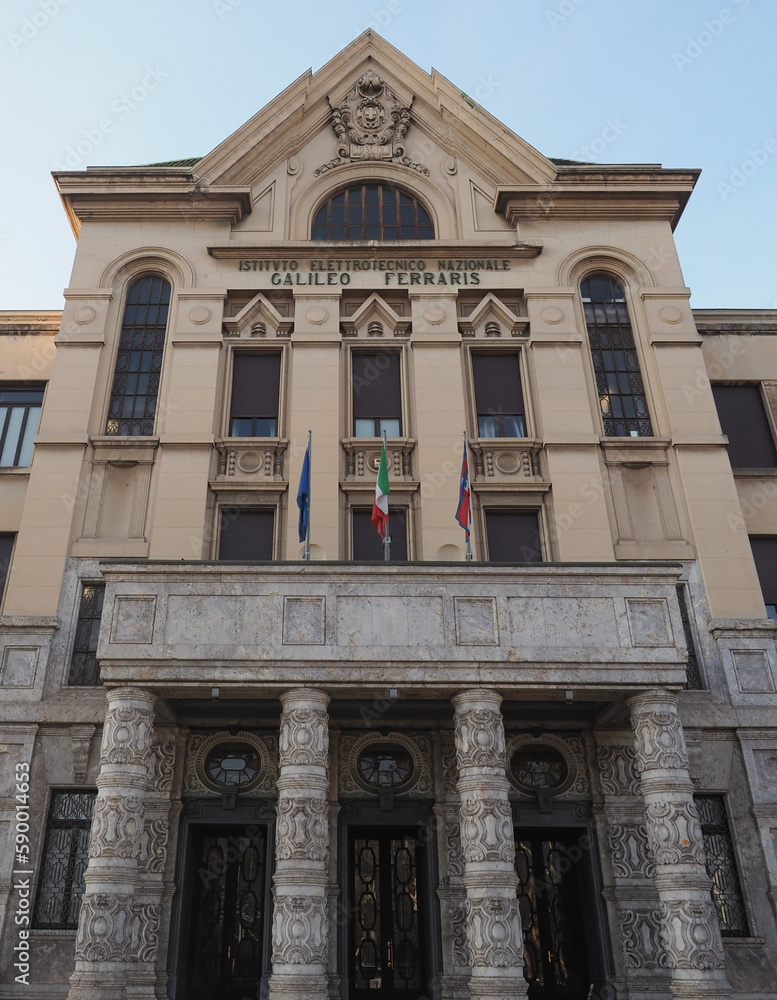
(370, 123)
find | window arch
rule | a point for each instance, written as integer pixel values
(614, 354)
(139, 360)
(372, 212)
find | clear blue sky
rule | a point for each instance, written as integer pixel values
(687, 84)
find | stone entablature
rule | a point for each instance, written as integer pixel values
(585, 627)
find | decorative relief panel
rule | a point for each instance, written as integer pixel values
(658, 739)
(299, 930)
(112, 928)
(492, 923)
(618, 770)
(153, 846)
(303, 828)
(641, 939)
(116, 826)
(629, 852)
(389, 621)
(420, 783)
(480, 739)
(458, 916)
(476, 621)
(19, 666)
(127, 736)
(161, 765)
(304, 738)
(249, 462)
(752, 671)
(674, 832)
(195, 779)
(505, 463)
(361, 460)
(133, 619)
(304, 620)
(694, 942)
(487, 829)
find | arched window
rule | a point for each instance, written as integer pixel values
(139, 361)
(372, 212)
(614, 354)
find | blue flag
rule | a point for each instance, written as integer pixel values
(303, 496)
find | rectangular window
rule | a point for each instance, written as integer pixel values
(65, 856)
(246, 534)
(84, 666)
(498, 395)
(6, 548)
(744, 421)
(377, 395)
(367, 543)
(722, 865)
(20, 408)
(693, 680)
(513, 536)
(765, 556)
(256, 380)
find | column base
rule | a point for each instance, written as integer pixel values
(95, 986)
(700, 989)
(295, 987)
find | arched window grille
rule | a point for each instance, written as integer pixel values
(372, 212)
(139, 361)
(616, 364)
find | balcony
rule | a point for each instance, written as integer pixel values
(426, 629)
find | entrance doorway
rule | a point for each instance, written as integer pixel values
(557, 906)
(387, 944)
(227, 913)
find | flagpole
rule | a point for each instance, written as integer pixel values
(310, 476)
(469, 508)
(387, 536)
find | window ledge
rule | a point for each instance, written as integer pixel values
(363, 456)
(251, 460)
(743, 942)
(506, 460)
(751, 473)
(15, 470)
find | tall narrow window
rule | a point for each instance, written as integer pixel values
(372, 212)
(139, 361)
(255, 390)
(377, 397)
(6, 548)
(616, 364)
(765, 556)
(498, 395)
(84, 667)
(20, 407)
(513, 536)
(722, 865)
(246, 534)
(65, 856)
(693, 681)
(744, 422)
(367, 543)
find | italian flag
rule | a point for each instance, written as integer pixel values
(380, 507)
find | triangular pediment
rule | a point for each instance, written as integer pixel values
(442, 129)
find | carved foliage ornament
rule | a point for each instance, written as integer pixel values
(370, 123)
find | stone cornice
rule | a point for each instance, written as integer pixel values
(108, 193)
(231, 250)
(595, 192)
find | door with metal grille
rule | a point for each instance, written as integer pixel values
(227, 915)
(552, 890)
(386, 932)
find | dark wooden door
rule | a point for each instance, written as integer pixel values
(227, 917)
(387, 914)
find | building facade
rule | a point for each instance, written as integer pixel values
(549, 771)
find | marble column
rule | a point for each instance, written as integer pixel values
(115, 931)
(300, 920)
(493, 922)
(688, 923)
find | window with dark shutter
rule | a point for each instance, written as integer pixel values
(616, 362)
(139, 360)
(6, 548)
(246, 534)
(765, 556)
(513, 536)
(498, 395)
(377, 395)
(255, 389)
(367, 543)
(744, 422)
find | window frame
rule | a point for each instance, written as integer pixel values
(45, 841)
(364, 349)
(11, 386)
(764, 595)
(481, 349)
(487, 505)
(624, 283)
(229, 381)
(131, 280)
(5, 568)
(83, 584)
(737, 864)
(326, 203)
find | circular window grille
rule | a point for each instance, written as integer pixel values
(228, 761)
(385, 766)
(538, 767)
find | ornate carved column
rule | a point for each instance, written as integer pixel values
(688, 922)
(493, 921)
(300, 920)
(115, 932)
